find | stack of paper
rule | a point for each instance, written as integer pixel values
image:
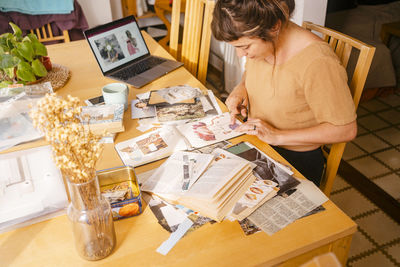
(215, 192)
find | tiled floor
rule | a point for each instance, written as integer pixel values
(376, 150)
(376, 154)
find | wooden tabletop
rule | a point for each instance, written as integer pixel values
(51, 243)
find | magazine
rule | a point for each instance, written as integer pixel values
(161, 143)
(217, 190)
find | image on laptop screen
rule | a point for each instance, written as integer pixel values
(117, 44)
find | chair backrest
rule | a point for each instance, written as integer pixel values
(195, 48)
(343, 45)
(45, 34)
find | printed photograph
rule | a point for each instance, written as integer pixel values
(109, 49)
(180, 112)
(152, 143)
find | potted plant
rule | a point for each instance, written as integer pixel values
(21, 58)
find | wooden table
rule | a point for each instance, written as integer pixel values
(51, 243)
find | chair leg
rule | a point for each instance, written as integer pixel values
(335, 156)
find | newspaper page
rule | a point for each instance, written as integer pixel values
(282, 210)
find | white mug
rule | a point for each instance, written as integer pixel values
(116, 93)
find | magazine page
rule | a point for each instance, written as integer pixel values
(259, 192)
(209, 130)
(217, 176)
(282, 210)
(266, 168)
(151, 146)
(178, 173)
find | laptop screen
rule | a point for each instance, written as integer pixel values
(116, 43)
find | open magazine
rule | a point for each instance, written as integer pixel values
(163, 142)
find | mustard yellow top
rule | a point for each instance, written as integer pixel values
(309, 89)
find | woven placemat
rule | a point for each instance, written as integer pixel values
(58, 76)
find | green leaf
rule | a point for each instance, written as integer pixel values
(10, 72)
(25, 72)
(38, 68)
(39, 48)
(32, 37)
(26, 39)
(26, 50)
(16, 29)
(8, 61)
(5, 84)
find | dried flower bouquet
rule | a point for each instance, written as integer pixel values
(75, 149)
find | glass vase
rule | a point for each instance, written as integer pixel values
(91, 218)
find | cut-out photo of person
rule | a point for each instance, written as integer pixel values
(131, 43)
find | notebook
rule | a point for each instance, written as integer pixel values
(122, 53)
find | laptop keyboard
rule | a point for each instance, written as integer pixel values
(138, 68)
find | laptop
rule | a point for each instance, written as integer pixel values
(122, 53)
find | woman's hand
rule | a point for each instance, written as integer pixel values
(324, 133)
(238, 102)
(262, 130)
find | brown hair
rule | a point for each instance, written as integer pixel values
(234, 19)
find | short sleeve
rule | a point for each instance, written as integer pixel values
(327, 92)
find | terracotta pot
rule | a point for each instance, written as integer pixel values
(47, 63)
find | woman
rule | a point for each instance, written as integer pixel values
(294, 89)
(131, 43)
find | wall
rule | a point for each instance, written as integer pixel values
(96, 11)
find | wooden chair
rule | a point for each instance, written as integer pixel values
(45, 34)
(195, 48)
(129, 7)
(343, 45)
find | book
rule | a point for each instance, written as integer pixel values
(104, 118)
(215, 192)
(161, 143)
